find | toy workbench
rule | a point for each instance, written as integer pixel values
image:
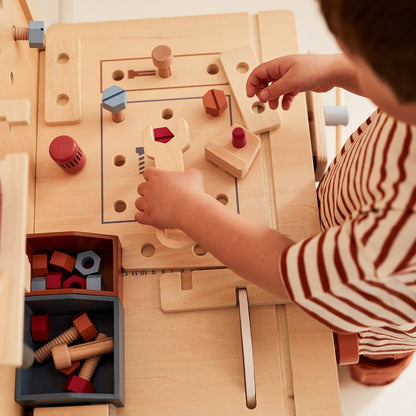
(184, 349)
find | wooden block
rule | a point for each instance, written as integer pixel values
(235, 161)
(39, 265)
(211, 289)
(15, 112)
(14, 191)
(63, 80)
(238, 64)
(89, 410)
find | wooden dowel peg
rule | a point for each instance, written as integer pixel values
(162, 58)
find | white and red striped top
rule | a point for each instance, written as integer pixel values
(359, 274)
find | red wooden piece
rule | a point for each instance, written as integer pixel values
(239, 137)
(163, 134)
(215, 102)
(78, 385)
(84, 326)
(54, 280)
(39, 265)
(40, 327)
(65, 151)
(71, 370)
(75, 282)
(62, 261)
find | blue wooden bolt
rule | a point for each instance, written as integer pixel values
(115, 100)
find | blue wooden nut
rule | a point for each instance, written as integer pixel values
(94, 282)
(88, 262)
(36, 34)
(38, 283)
(114, 99)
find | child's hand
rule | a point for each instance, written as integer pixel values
(165, 196)
(290, 75)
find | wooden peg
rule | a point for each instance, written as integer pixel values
(162, 58)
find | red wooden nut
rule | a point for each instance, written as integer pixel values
(84, 326)
(39, 265)
(239, 137)
(215, 102)
(75, 282)
(54, 280)
(40, 327)
(78, 385)
(65, 151)
(62, 261)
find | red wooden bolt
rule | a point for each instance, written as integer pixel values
(239, 137)
(65, 151)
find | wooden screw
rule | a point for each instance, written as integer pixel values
(63, 355)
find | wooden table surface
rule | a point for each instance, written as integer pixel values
(185, 363)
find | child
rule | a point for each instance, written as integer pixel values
(359, 274)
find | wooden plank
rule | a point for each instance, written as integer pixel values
(190, 363)
(63, 73)
(295, 198)
(89, 410)
(211, 289)
(13, 260)
(238, 64)
(314, 369)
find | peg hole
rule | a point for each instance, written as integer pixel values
(62, 99)
(242, 67)
(12, 79)
(199, 251)
(120, 206)
(147, 250)
(167, 114)
(63, 58)
(118, 75)
(258, 108)
(222, 198)
(119, 160)
(213, 69)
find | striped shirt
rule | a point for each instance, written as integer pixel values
(359, 274)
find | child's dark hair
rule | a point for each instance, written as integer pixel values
(383, 32)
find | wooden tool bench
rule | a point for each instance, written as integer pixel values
(187, 362)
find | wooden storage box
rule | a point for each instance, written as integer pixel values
(72, 242)
(41, 384)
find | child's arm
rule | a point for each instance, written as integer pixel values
(289, 75)
(178, 200)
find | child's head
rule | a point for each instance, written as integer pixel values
(383, 34)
